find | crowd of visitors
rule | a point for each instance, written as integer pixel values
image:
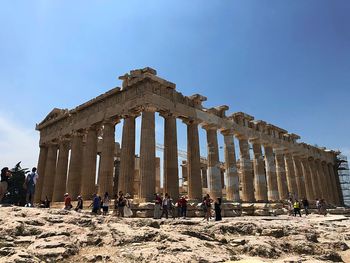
(295, 206)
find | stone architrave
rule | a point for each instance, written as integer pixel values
(41, 173)
(292, 186)
(193, 162)
(271, 175)
(281, 176)
(259, 174)
(314, 176)
(246, 171)
(88, 178)
(61, 171)
(214, 173)
(308, 180)
(50, 172)
(170, 167)
(75, 165)
(127, 158)
(299, 177)
(232, 187)
(147, 156)
(107, 158)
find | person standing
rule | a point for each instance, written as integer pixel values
(183, 207)
(30, 183)
(5, 175)
(217, 207)
(79, 206)
(296, 206)
(166, 205)
(318, 206)
(105, 204)
(157, 204)
(67, 202)
(306, 206)
(96, 204)
(121, 204)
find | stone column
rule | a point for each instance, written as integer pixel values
(50, 172)
(271, 175)
(328, 186)
(246, 171)
(334, 184)
(147, 156)
(232, 187)
(214, 173)
(127, 158)
(107, 158)
(292, 186)
(308, 179)
(204, 177)
(299, 177)
(75, 165)
(61, 171)
(170, 167)
(314, 176)
(259, 174)
(193, 162)
(321, 180)
(41, 172)
(281, 176)
(88, 177)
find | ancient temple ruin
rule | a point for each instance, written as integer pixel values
(70, 141)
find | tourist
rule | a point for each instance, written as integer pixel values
(290, 206)
(157, 204)
(306, 206)
(296, 207)
(206, 205)
(183, 207)
(127, 207)
(30, 183)
(166, 205)
(217, 206)
(67, 202)
(79, 206)
(45, 203)
(322, 207)
(5, 175)
(96, 204)
(105, 204)
(318, 206)
(121, 204)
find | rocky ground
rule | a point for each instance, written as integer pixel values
(39, 235)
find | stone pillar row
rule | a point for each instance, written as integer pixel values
(271, 175)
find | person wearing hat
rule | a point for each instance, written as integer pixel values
(5, 175)
(79, 206)
(67, 202)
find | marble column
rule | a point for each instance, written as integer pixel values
(193, 162)
(321, 180)
(292, 186)
(271, 175)
(147, 156)
(281, 176)
(259, 174)
(61, 171)
(214, 173)
(105, 182)
(309, 191)
(314, 176)
(127, 158)
(41, 173)
(88, 177)
(328, 186)
(170, 167)
(246, 171)
(299, 177)
(232, 178)
(50, 172)
(334, 184)
(204, 177)
(75, 165)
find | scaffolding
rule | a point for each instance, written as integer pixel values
(344, 178)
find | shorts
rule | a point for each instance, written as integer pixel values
(105, 208)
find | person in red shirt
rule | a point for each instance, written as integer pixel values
(67, 202)
(183, 206)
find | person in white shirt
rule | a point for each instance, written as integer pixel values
(30, 183)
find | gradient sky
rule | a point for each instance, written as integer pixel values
(285, 62)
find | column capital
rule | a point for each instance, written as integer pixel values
(149, 108)
(242, 137)
(111, 121)
(209, 127)
(167, 114)
(227, 132)
(255, 141)
(190, 121)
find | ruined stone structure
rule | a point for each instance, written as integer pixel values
(284, 167)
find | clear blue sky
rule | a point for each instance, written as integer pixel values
(286, 62)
